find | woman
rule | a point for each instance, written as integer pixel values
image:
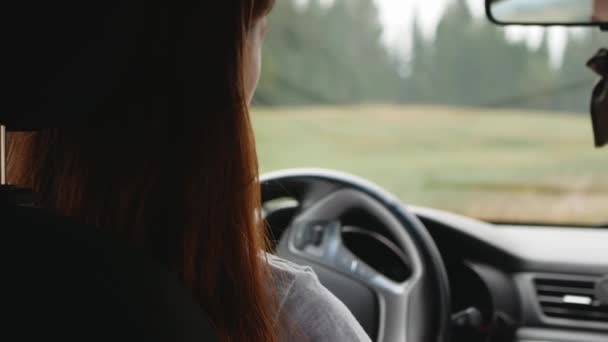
(166, 159)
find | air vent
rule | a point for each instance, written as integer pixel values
(571, 299)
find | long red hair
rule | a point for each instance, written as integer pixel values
(169, 163)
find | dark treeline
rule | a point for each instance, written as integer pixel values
(334, 54)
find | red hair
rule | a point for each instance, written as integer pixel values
(169, 163)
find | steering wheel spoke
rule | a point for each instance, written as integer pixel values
(321, 242)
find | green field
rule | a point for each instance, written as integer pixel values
(498, 165)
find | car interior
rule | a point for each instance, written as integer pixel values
(407, 272)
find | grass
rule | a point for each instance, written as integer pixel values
(492, 164)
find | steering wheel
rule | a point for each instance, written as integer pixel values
(391, 305)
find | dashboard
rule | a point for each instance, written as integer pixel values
(508, 283)
(521, 283)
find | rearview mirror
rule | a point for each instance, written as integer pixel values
(548, 12)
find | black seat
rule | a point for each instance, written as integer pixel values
(64, 281)
(68, 282)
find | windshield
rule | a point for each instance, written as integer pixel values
(437, 105)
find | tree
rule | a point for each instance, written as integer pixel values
(315, 54)
(467, 64)
(334, 54)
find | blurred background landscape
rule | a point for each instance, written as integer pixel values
(466, 117)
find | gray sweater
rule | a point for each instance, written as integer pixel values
(307, 310)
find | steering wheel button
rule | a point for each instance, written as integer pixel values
(299, 239)
(316, 235)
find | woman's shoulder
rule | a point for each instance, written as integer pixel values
(307, 309)
(286, 274)
(280, 266)
(287, 270)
